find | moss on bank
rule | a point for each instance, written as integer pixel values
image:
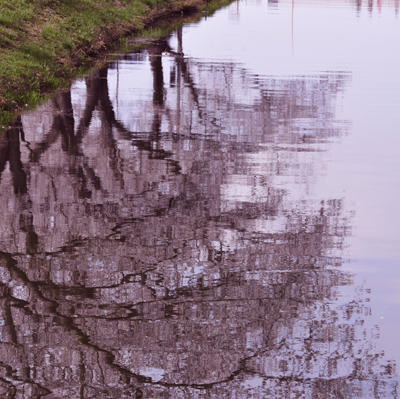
(45, 43)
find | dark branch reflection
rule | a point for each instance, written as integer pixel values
(167, 252)
(10, 153)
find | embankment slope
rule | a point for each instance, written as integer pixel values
(45, 43)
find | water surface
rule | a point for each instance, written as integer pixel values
(212, 216)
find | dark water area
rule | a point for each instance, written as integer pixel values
(214, 216)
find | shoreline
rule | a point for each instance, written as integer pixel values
(63, 42)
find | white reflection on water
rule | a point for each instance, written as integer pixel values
(187, 219)
(287, 40)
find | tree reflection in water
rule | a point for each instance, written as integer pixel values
(175, 252)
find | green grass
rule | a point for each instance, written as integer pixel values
(15, 12)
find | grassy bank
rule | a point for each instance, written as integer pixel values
(45, 43)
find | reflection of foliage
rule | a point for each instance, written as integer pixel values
(180, 261)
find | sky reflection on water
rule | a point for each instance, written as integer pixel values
(213, 216)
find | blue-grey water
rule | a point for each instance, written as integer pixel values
(213, 216)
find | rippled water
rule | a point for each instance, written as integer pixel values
(214, 216)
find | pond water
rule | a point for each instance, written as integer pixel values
(213, 216)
